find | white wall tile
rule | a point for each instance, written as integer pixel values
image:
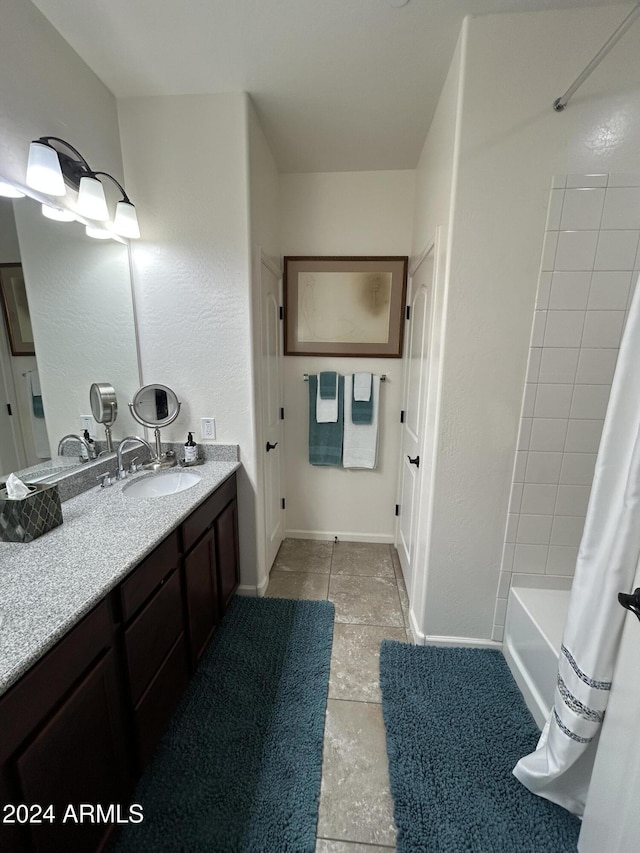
(533, 365)
(497, 633)
(583, 436)
(537, 333)
(500, 612)
(504, 583)
(586, 180)
(558, 364)
(634, 284)
(564, 328)
(543, 467)
(577, 469)
(581, 210)
(529, 401)
(549, 250)
(508, 553)
(616, 250)
(554, 211)
(520, 466)
(535, 530)
(524, 434)
(512, 527)
(622, 208)
(576, 250)
(553, 401)
(572, 500)
(603, 329)
(539, 499)
(548, 434)
(567, 530)
(596, 366)
(562, 560)
(590, 401)
(619, 179)
(515, 499)
(530, 558)
(609, 291)
(569, 290)
(544, 289)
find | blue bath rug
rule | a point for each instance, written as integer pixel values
(456, 726)
(239, 767)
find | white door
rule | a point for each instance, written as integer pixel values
(11, 451)
(415, 394)
(612, 818)
(271, 391)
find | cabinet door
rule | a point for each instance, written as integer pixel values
(77, 757)
(226, 532)
(202, 594)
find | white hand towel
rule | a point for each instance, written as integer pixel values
(362, 387)
(326, 410)
(360, 442)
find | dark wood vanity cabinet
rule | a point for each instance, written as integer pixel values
(81, 725)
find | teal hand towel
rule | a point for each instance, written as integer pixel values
(328, 384)
(325, 440)
(361, 410)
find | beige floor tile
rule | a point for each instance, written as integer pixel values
(362, 558)
(355, 660)
(327, 845)
(355, 801)
(366, 600)
(297, 585)
(409, 636)
(304, 555)
(395, 560)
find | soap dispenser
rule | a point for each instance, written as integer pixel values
(92, 446)
(190, 450)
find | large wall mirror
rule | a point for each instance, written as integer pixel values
(80, 304)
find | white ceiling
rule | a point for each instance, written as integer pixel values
(339, 84)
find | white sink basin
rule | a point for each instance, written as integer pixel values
(161, 484)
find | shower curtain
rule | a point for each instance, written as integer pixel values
(560, 768)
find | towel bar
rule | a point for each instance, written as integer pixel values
(383, 377)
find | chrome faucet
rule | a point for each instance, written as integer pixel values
(73, 437)
(121, 473)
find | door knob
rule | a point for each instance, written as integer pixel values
(415, 461)
(631, 602)
(271, 446)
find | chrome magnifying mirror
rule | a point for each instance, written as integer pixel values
(156, 406)
(104, 408)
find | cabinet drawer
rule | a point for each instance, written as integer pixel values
(156, 707)
(202, 518)
(148, 575)
(29, 701)
(151, 635)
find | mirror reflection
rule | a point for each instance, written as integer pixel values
(80, 308)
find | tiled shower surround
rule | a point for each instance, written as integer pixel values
(590, 264)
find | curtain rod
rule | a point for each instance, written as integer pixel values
(560, 103)
(383, 377)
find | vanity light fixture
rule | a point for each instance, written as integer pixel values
(49, 169)
(98, 233)
(9, 191)
(57, 213)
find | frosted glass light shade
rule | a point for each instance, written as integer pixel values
(9, 191)
(43, 170)
(91, 200)
(126, 222)
(98, 233)
(57, 213)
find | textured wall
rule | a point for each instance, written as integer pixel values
(186, 165)
(344, 213)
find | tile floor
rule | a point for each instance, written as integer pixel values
(364, 581)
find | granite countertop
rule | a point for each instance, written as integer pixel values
(48, 585)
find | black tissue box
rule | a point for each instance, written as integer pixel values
(24, 519)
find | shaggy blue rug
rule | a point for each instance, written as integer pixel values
(456, 726)
(239, 767)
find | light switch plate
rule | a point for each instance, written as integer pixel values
(86, 422)
(208, 428)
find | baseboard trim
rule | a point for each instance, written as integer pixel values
(343, 536)
(421, 639)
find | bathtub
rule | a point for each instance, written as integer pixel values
(531, 645)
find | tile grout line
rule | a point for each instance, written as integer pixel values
(362, 843)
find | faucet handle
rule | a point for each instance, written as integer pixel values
(133, 467)
(106, 480)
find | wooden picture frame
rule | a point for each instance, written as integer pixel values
(16, 309)
(344, 306)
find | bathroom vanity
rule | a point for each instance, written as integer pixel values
(107, 623)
